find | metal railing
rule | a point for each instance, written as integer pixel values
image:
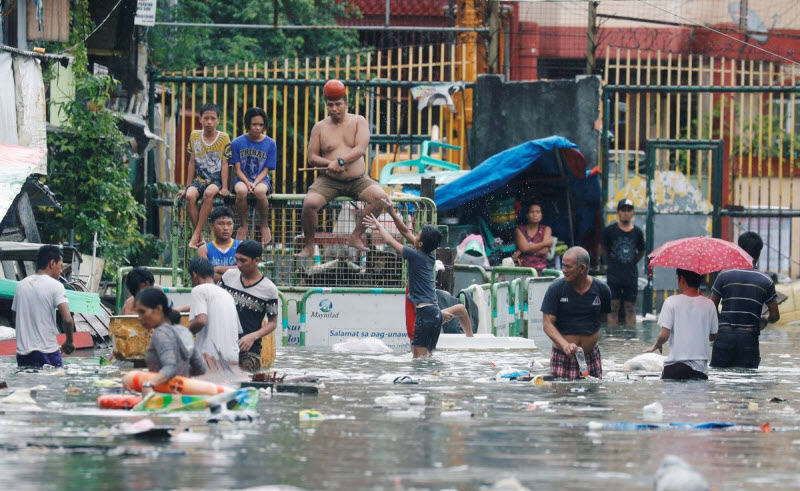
(334, 264)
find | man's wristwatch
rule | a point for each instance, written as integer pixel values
(341, 162)
(147, 384)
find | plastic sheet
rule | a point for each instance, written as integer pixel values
(8, 104)
(31, 108)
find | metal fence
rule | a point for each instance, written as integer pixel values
(334, 264)
(752, 107)
(290, 91)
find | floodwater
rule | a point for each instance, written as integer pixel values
(548, 437)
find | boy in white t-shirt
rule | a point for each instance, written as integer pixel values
(213, 317)
(689, 321)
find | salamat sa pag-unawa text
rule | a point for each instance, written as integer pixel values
(333, 318)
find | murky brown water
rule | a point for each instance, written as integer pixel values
(66, 443)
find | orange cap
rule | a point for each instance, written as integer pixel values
(334, 89)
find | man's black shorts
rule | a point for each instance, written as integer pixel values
(625, 289)
(736, 348)
(427, 327)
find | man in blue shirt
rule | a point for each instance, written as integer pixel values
(744, 293)
(254, 154)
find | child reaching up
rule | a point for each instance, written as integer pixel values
(421, 285)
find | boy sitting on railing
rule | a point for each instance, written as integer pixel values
(254, 154)
(207, 174)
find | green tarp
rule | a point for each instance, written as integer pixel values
(79, 302)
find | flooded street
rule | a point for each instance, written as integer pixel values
(555, 436)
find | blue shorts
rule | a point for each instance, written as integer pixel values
(37, 359)
(236, 180)
(427, 327)
(201, 184)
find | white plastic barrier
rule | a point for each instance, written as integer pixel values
(482, 296)
(328, 317)
(502, 309)
(532, 313)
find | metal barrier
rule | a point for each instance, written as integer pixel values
(531, 293)
(468, 274)
(344, 313)
(512, 271)
(502, 308)
(334, 264)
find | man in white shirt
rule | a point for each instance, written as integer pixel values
(689, 321)
(213, 316)
(35, 303)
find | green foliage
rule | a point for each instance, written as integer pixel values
(174, 48)
(88, 176)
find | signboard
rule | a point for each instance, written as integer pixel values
(145, 13)
(335, 317)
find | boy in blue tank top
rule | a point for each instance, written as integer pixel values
(220, 252)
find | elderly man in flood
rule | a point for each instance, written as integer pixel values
(572, 308)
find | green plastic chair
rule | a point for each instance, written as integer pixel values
(488, 242)
(423, 162)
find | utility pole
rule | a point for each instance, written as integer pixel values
(591, 38)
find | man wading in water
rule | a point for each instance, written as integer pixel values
(572, 307)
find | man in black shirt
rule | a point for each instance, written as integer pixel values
(572, 308)
(623, 245)
(744, 293)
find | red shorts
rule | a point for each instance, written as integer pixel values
(562, 366)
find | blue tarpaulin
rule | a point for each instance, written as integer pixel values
(499, 169)
(552, 168)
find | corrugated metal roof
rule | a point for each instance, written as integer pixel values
(16, 164)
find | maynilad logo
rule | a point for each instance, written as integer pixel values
(325, 310)
(325, 305)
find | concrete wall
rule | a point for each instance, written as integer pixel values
(509, 113)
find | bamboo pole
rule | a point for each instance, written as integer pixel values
(225, 101)
(234, 124)
(626, 156)
(616, 125)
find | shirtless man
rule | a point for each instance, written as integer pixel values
(337, 144)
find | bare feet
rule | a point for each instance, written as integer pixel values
(195, 242)
(307, 251)
(266, 235)
(355, 242)
(241, 232)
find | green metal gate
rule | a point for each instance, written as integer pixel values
(715, 147)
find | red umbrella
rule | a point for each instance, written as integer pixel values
(702, 255)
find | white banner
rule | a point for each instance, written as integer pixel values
(334, 317)
(145, 13)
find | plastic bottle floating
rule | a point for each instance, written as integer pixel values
(582, 366)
